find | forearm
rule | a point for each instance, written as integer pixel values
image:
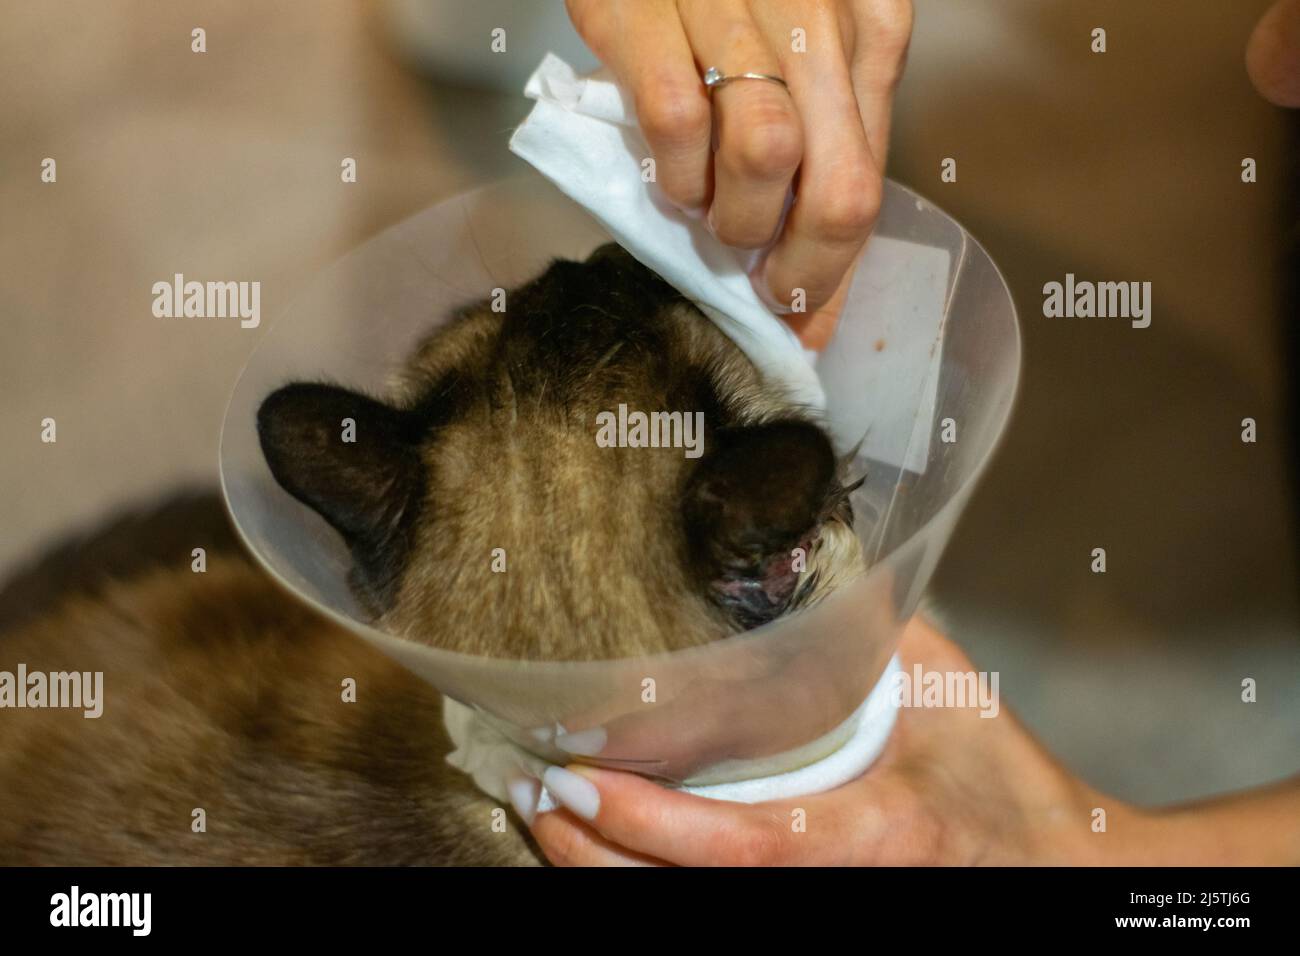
(1256, 828)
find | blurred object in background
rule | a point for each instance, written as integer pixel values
(448, 39)
(1127, 166)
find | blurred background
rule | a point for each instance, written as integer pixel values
(1120, 166)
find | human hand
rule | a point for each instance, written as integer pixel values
(952, 787)
(826, 136)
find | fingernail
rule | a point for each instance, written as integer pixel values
(524, 793)
(758, 279)
(545, 802)
(583, 743)
(574, 792)
(543, 735)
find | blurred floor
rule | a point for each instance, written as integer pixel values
(225, 165)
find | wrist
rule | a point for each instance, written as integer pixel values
(1106, 832)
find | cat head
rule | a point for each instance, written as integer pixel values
(593, 470)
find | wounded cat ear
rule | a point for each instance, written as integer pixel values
(757, 492)
(355, 461)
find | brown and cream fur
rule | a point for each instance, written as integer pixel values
(223, 693)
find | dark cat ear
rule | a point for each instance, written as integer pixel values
(757, 493)
(355, 461)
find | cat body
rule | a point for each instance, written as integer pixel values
(241, 727)
(226, 739)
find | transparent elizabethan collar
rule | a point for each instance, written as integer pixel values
(727, 710)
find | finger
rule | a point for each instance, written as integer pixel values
(759, 138)
(680, 828)
(838, 195)
(816, 329)
(882, 30)
(659, 69)
(566, 841)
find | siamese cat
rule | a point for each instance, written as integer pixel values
(225, 737)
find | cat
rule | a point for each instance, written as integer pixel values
(225, 738)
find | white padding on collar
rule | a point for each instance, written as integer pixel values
(875, 720)
(491, 759)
